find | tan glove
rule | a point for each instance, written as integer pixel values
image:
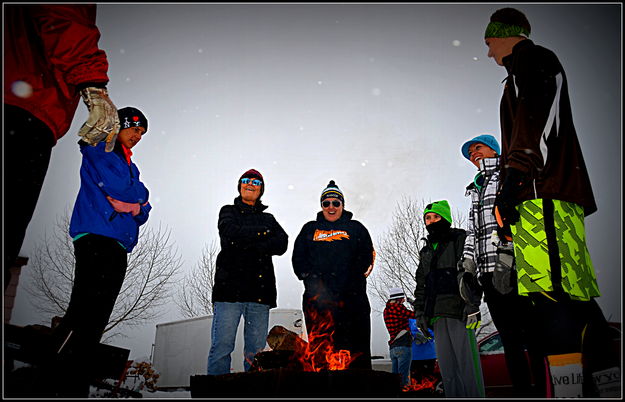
(103, 121)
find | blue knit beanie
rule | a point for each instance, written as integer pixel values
(485, 139)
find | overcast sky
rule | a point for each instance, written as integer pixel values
(378, 97)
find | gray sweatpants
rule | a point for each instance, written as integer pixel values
(458, 359)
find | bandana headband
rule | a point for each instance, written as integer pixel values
(501, 30)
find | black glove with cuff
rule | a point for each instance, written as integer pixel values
(507, 196)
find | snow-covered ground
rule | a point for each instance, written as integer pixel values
(135, 384)
(173, 394)
(176, 394)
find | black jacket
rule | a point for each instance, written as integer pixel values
(244, 269)
(437, 292)
(331, 258)
(537, 132)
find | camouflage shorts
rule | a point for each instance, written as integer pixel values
(532, 251)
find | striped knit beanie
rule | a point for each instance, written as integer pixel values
(332, 191)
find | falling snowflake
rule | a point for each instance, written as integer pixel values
(22, 89)
(456, 43)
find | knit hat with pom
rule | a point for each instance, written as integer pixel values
(332, 191)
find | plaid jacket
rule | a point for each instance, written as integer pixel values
(482, 223)
(396, 317)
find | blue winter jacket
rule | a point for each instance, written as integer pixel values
(108, 173)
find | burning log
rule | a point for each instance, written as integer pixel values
(285, 345)
(280, 338)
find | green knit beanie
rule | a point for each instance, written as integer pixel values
(439, 207)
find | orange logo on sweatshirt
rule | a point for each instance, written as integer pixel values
(330, 235)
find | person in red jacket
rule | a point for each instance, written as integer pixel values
(396, 317)
(51, 60)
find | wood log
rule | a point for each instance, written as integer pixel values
(281, 338)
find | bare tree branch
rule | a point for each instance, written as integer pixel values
(195, 291)
(146, 288)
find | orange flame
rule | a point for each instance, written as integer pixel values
(426, 382)
(319, 353)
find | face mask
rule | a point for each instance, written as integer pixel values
(437, 229)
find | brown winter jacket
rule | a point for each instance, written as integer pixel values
(537, 131)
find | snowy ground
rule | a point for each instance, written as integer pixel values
(175, 394)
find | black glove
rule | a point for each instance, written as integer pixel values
(422, 323)
(473, 316)
(420, 338)
(504, 269)
(466, 286)
(507, 196)
(467, 265)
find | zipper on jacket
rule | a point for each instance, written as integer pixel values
(113, 215)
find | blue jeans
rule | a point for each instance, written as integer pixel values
(226, 317)
(401, 358)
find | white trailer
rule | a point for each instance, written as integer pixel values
(181, 347)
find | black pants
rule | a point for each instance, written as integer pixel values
(351, 329)
(101, 264)
(28, 144)
(571, 326)
(514, 319)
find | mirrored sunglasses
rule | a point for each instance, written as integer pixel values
(334, 203)
(255, 182)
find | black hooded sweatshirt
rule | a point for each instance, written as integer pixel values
(332, 258)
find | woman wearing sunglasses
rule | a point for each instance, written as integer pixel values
(245, 282)
(333, 255)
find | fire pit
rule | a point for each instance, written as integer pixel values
(295, 368)
(289, 383)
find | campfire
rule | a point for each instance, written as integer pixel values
(295, 368)
(315, 355)
(427, 383)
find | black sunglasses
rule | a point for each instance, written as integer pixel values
(335, 204)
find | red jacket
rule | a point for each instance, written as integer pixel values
(48, 51)
(396, 317)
